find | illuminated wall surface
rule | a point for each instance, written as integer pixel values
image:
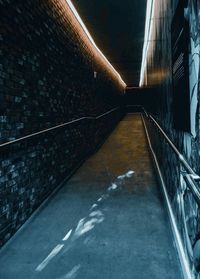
(47, 65)
(157, 73)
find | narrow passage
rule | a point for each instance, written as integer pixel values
(107, 222)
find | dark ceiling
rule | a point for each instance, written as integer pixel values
(117, 27)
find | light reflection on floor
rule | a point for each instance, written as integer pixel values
(84, 225)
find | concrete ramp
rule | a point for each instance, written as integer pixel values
(107, 222)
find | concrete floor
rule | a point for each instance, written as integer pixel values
(107, 222)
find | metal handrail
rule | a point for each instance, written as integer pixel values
(58, 126)
(193, 187)
(174, 148)
(189, 175)
(180, 156)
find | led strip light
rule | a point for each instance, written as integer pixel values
(147, 36)
(73, 9)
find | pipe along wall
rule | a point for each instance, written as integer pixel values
(47, 65)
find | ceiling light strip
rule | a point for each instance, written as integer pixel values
(147, 36)
(74, 11)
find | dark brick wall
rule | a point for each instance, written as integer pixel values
(46, 79)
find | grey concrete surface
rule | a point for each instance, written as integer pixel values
(107, 222)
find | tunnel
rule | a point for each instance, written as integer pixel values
(99, 139)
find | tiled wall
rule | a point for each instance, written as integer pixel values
(47, 69)
(158, 74)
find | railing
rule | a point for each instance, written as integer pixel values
(58, 126)
(185, 206)
(183, 161)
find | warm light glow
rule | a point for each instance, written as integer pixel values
(157, 77)
(73, 9)
(147, 36)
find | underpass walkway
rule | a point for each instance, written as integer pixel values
(107, 222)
